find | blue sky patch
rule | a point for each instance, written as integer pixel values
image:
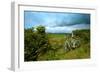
(57, 22)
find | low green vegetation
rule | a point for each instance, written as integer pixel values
(40, 46)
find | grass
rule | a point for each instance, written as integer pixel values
(58, 52)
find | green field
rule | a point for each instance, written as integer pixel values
(58, 53)
(42, 46)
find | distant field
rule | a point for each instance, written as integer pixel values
(57, 35)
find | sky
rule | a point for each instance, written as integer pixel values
(57, 22)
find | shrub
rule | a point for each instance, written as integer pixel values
(36, 43)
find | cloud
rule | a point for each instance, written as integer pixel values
(57, 22)
(58, 29)
(81, 26)
(66, 29)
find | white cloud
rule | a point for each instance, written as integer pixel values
(66, 29)
(58, 29)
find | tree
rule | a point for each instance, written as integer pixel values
(36, 43)
(40, 29)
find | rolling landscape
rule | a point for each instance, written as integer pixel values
(59, 37)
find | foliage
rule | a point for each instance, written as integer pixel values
(40, 45)
(36, 43)
(83, 34)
